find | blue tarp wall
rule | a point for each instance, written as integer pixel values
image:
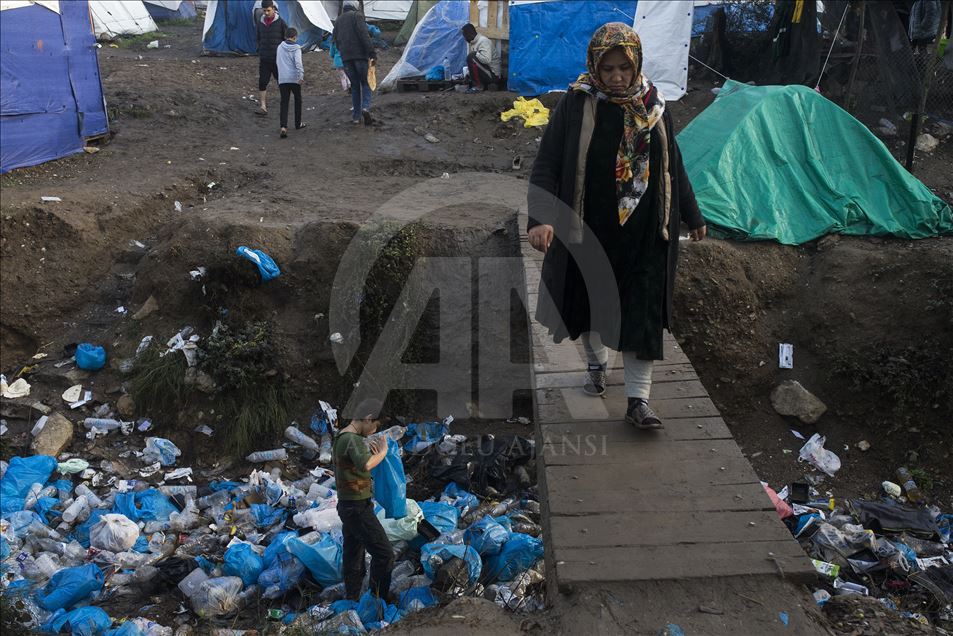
(186, 11)
(233, 27)
(51, 96)
(548, 40)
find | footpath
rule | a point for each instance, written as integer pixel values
(667, 520)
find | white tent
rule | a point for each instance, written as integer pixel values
(120, 17)
(387, 9)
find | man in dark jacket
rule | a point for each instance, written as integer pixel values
(357, 53)
(271, 31)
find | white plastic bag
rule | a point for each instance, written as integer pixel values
(160, 450)
(814, 453)
(403, 529)
(113, 533)
(218, 596)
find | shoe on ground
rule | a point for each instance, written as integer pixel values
(366, 116)
(595, 380)
(473, 89)
(301, 126)
(640, 415)
(261, 113)
(284, 133)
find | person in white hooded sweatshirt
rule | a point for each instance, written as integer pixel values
(290, 76)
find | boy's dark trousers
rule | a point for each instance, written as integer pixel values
(286, 90)
(363, 531)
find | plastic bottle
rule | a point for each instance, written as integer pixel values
(219, 497)
(32, 496)
(324, 456)
(446, 68)
(77, 510)
(103, 424)
(91, 497)
(910, 486)
(298, 437)
(184, 491)
(189, 586)
(268, 456)
(317, 491)
(502, 507)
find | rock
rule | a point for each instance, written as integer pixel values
(148, 308)
(863, 445)
(55, 436)
(942, 130)
(790, 398)
(199, 380)
(828, 242)
(126, 407)
(927, 143)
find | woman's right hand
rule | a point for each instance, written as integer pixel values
(540, 237)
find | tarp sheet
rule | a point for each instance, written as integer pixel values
(387, 9)
(548, 40)
(665, 29)
(50, 91)
(230, 24)
(111, 19)
(436, 38)
(783, 163)
(171, 9)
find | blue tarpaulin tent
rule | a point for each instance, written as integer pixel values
(436, 41)
(171, 9)
(51, 97)
(230, 24)
(548, 40)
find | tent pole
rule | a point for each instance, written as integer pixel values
(928, 74)
(862, 34)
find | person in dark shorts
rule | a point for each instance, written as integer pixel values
(271, 31)
(362, 530)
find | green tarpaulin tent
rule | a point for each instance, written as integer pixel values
(417, 12)
(783, 163)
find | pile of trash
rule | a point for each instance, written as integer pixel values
(896, 549)
(75, 538)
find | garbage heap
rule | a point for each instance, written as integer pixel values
(74, 538)
(895, 549)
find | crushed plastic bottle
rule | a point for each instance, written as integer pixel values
(909, 485)
(91, 497)
(295, 435)
(259, 457)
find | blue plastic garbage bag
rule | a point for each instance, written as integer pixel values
(83, 621)
(323, 559)
(81, 532)
(44, 507)
(504, 521)
(90, 357)
(486, 536)
(159, 449)
(320, 424)
(224, 485)
(373, 610)
(436, 74)
(424, 435)
(21, 520)
(70, 586)
(343, 605)
(148, 505)
(22, 473)
(441, 516)
(277, 547)
(462, 500)
(417, 598)
(281, 576)
(141, 545)
(265, 516)
(445, 552)
(206, 565)
(129, 628)
(266, 265)
(390, 483)
(242, 561)
(519, 554)
(4, 548)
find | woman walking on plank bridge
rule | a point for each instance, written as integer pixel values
(609, 181)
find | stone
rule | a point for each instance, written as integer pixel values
(148, 308)
(863, 445)
(199, 380)
(55, 436)
(790, 398)
(927, 142)
(126, 407)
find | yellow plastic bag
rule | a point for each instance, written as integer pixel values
(531, 111)
(372, 75)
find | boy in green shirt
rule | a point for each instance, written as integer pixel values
(362, 530)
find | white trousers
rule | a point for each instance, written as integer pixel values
(638, 373)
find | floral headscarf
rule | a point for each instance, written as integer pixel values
(642, 106)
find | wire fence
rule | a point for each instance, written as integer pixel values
(863, 55)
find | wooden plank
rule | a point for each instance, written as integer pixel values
(652, 499)
(589, 565)
(572, 404)
(651, 528)
(661, 374)
(693, 474)
(618, 431)
(592, 448)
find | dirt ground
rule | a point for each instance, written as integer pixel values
(871, 320)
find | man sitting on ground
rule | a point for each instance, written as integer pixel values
(483, 60)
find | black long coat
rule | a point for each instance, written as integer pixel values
(554, 178)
